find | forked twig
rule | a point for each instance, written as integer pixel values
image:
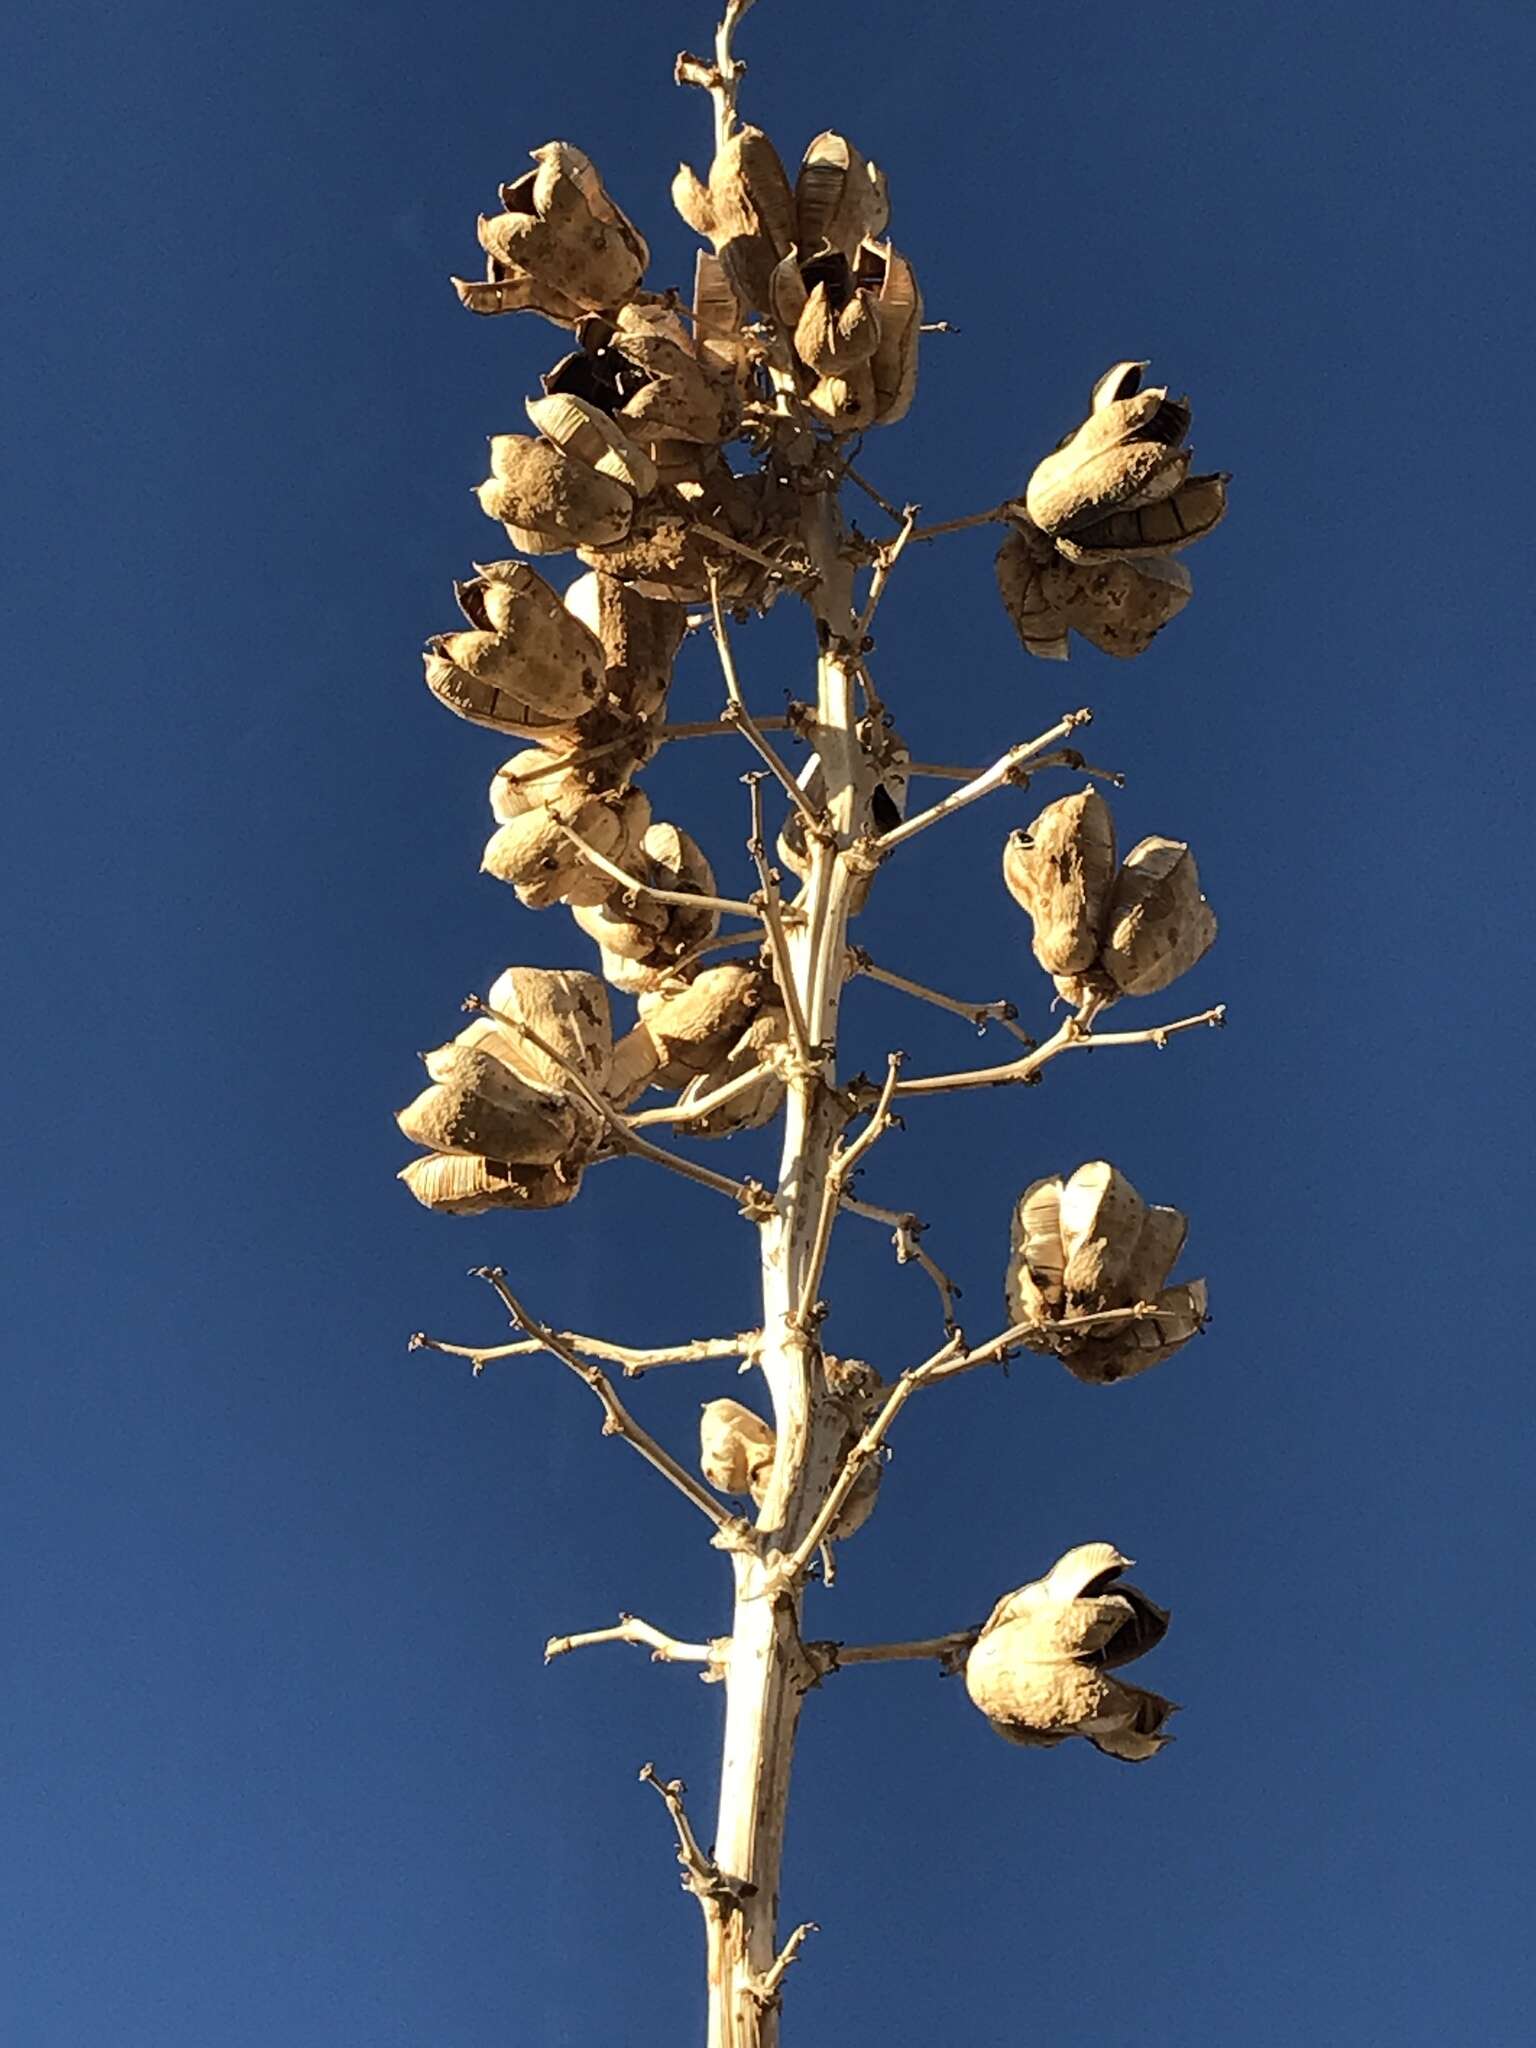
(840, 1171)
(702, 1875)
(765, 1989)
(694, 898)
(906, 1236)
(889, 555)
(633, 1359)
(1014, 766)
(664, 1649)
(979, 1014)
(1075, 1035)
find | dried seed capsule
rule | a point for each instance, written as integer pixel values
(535, 779)
(1151, 531)
(478, 1105)
(566, 1011)
(890, 279)
(1034, 1288)
(838, 329)
(548, 501)
(736, 1449)
(1101, 1219)
(561, 247)
(588, 435)
(1158, 924)
(526, 666)
(692, 1028)
(1118, 606)
(1128, 452)
(1021, 566)
(458, 1185)
(1062, 872)
(635, 1065)
(840, 199)
(746, 211)
(1163, 1232)
(536, 855)
(639, 638)
(761, 1044)
(1103, 1361)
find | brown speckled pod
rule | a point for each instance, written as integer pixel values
(890, 280)
(1158, 923)
(1101, 1219)
(639, 638)
(526, 665)
(1021, 565)
(763, 1043)
(568, 1010)
(560, 247)
(1128, 452)
(692, 1029)
(549, 502)
(1118, 606)
(478, 1105)
(1061, 870)
(587, 434)
(1192, 512)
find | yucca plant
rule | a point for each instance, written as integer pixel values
(694, 452)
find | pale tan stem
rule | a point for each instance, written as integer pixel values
(999, 515)
(682, 1113)
(906, 1237)
(945, 1649)
(634, 1359)
(706, 729)
(979, 1014)
(773, 917)
(692, 897)
(1074, 1036)
(722, 79)
(844, 1163)
(738, 714)
(1010, 767)
(664, 1649)
(890, 554)
(766, 1988)
(617, 1420)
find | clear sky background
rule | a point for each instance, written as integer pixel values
(280, 1760)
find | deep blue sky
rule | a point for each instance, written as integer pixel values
(280, 1762)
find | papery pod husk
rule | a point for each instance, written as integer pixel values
(746, 211)
(1061, 870)
(832, 340)
(456, 1184)
(527, 663)
(693, 1027)
(1022, 587)
(639, 637)
(840, 198)
(632, 930)
(899, 303)
(635, 1065)
(568, 1009)
(538, 778)
(1118, 606)
(482, 703)
(633, 977)
(761, 1044)
(1193, 511)
(1158, 923)
(1137, 1347)
(1049, 1698)
(478, 1106)
(1132, 1728)
(1157, 1249)
(686, 398)
(561, 247)
(1084, 1631)
(588, 435)
(717, 317)
(663, 558)
(677, 861)
(1061, 500)
(1036, 1259)
(537, 857)
(845, 403)
(736, 1448)
(548, 502)
(1101, 1222)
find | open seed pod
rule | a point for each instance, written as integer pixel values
(718, 316)
(564, 1010)
(1128, 452)
(526, 665)
(1061, 870)
(692, 1029)
(639, 638)
(664, 556)
(549, 501)
(1158, 923)
(840, 199)
(736, 1449)
(456, 1184)
(635, 927)
(746, 211)
(586, 433)
(763, 1043)
(477, 1104)
(536, 855)
(1118, 606)
(538, 776)
(1038, 1669)
(679, 395)
(1088, 1244)
(1021, 564)
(560, 247)
(1150, 531)
(889, 280)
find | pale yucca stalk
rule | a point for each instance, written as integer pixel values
(1087, 1281)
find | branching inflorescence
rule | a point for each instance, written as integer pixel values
(691, 452)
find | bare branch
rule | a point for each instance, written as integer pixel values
(634, 1360)
(907, 1231)
(889, 555)
(1075, 1035)
(692, 897)
(979, 1014)
(617, 1419)
(766, 1988)
(949, 1650)
(702, 1875)
(703, 729)
(736, 713)
(869, 491)
(664, 1649)
(998, 516)
(844, 1163)
(773, 917)
(1014, 766)
(717, 1098)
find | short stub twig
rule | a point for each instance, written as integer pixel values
(630, 1628)
(948, 1651)
(702, 1875)
(765, 1989)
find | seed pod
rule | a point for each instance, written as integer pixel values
(663, 557)
(1162, 528)
(1102, 1361)
(588, 435)
(548, 501)
(477, 1105)
(761, 1044)
(840, 199)
(680, 397)
(1119, 607)
(1158, 923)
(527, 666)
(639, 638)
(746, 211)
(736, 1449)
(717, 318)
(635, 1065)
(1021, 584)
(1101, 1219)
(837, 330)
(692, 1029)
(677, 862)
(1127, 452)
(458, 1185)
(568, 1011)
(633, 930)
(893, 284)
(536, 778)
(847, 403)
(1062, 872)
(1163, 1232)
(536, 855)
(561, 247)
(1034, 1288)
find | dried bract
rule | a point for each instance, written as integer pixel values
(560, 246)
(1038, 1670)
